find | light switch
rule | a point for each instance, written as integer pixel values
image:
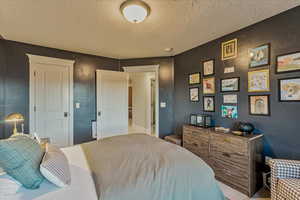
(163, 104)
(77, 105)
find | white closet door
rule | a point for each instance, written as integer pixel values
(112, 103)
(52, 103)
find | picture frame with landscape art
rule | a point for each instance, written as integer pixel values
(259, 56)
(195, 78)
(209, 85)
(229, 112)
(229, 49)
(194, 94)
(259, 80)
(209, 67)
(259, 105)
(209, 104)
(289, 89)
(230, 84)
(286, 63)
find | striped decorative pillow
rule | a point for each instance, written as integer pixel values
(55, 166)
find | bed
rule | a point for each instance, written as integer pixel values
(131, 167)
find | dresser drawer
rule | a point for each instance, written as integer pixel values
(232, 175)
(228, 144)
(197, 142)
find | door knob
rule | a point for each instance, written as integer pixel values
(65, 114)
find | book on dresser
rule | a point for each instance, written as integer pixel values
(236, 160)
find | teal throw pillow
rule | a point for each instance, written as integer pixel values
(20, 157)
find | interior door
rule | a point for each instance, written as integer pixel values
(51, 85)
(112, 103)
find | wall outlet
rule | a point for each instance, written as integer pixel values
(77, 105)
(163, 104)
(267, 160)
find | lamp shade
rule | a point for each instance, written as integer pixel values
(14, 117)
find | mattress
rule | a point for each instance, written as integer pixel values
(82, 186)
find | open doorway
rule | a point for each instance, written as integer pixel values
(140, 103)
(143, 100)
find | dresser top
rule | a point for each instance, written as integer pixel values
(230, 134)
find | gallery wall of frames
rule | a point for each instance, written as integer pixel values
(252, 75)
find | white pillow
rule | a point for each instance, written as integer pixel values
(55, 166)
(1, 171)
(8, 186)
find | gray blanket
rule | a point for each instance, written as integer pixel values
(141, 167)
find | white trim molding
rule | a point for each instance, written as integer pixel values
(144, 68)
(149, 68)
(49, 60)
(33, 61)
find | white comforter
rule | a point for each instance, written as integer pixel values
(81, 188)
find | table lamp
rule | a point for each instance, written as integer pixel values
(15, 118)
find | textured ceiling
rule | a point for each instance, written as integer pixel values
(97, 26)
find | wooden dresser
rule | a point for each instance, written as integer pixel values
(236, 160)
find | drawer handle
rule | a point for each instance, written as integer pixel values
(226, 140)
(226, 155)
(195, 144)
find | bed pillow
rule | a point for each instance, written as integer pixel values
(20, 157)
(55, 166)
(8, 186)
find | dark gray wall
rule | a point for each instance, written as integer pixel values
(281, 129)
(166, 89)
(14, 84)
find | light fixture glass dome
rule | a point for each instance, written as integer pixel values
(135, 11)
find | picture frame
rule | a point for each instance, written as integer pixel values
(230, 112)
(259, 105)
(289, 89)
(229, 49)
(194, 94)
(209, 67)
(209, 104)
(230, 84)
(209, 85)
(230, 99)
(195, 78)
(260, 56)
(228, 70)
(259, 80)
(286, 63)
(193, 119)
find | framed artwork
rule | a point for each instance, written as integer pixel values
(230, 84)
(229, 49)
(259, 105)
(288, 62)
(209, 86)
(259, 56)
(230, 98)
(209, 67)
(194, 94)
(228, 70)
(193, 119)
(194, 78)
(229, 112)
(209, 104)
(259, 81)
(289, 89)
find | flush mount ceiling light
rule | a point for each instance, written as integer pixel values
(135, 11)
